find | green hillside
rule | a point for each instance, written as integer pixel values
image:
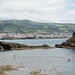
(27, 26)
(72, 39)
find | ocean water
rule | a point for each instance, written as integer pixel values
(50, 61)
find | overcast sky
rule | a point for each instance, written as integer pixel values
(38, 10)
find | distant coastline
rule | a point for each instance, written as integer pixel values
(14, 36)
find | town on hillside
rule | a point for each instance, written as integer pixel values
(4, 36)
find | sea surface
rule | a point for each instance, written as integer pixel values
(49, 61)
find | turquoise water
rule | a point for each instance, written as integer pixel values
(50, 61)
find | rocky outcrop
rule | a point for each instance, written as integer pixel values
(70, 43)
(13, 46)
(72, 39)
(1, 48)
(17, 46)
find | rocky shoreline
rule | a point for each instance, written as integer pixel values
(70, 43)
(17, 46)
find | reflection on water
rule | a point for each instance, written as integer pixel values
(50, 61)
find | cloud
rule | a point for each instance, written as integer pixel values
(38, 10)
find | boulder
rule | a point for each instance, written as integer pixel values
(72, 45)
(45, 45)
(1, 48)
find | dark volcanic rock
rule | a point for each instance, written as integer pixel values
(6, 46)
(72, 39)
(11, 46)
(16, 46)
(70, 43)
(1, 48)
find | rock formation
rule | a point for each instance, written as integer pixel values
(70, 43)
(17, 46)
(12, 46)
(1, 48)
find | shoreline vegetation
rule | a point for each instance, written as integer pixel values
(70, 43)
(6, 68)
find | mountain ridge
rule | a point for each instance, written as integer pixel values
(28, 26)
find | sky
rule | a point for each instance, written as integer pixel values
(51, 11)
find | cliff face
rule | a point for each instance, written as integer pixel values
(70, 43)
